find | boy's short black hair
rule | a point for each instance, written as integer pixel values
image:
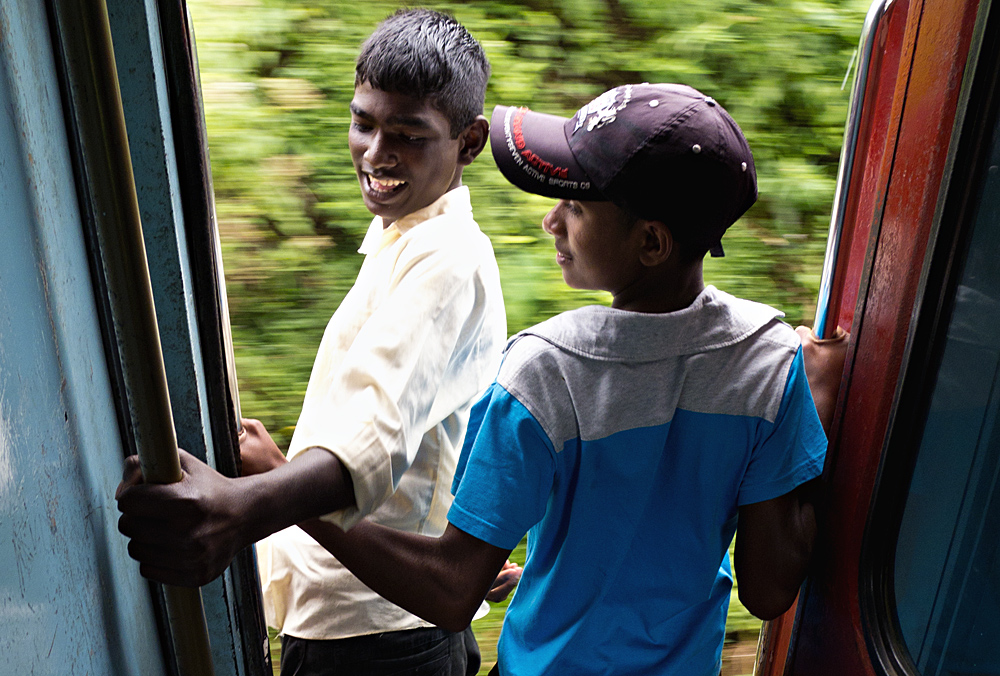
(424, 53)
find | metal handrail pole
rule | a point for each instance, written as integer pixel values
(108, 195)
(866, 48)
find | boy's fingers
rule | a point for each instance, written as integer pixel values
(131, 474)
(169, 576)
(252, 426)
(144, 529)
(189, 463)
(508, 576)
(505, 582)
(152, 500)
(139, 499)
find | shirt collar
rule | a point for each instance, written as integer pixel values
(715, 319)
(377, 238)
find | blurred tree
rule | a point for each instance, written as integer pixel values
(278, 76)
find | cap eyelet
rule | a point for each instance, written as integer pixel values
(696, 148)
(654, 103)
(709, 100)
(743, 166)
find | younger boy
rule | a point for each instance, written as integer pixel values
(625, 441)
(417, 338)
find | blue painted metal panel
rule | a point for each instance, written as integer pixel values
(71, 601)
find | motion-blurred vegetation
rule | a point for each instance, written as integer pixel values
(277, 77)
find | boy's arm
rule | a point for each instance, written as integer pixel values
(775, 537)
(260, 454)
(186, 533)
(203, 520)
(824, 361)
(774, 543)
(443, 580)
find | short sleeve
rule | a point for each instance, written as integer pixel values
(505, 472)
(790, 450)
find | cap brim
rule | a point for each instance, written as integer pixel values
(531, 152)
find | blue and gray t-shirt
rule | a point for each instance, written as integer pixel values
(623, 443)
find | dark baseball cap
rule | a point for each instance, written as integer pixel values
(663, 152)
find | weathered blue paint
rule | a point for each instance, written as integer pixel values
(71, 601)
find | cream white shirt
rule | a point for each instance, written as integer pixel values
(414, 342)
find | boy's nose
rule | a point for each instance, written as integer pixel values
(378, 153)
(550, 222)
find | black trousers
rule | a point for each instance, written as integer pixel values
(414, 652)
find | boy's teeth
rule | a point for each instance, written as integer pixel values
(384, 183)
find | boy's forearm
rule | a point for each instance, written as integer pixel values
(800, 536)
(315, 483)
(442, 580)
(774, 546)
(188, 532)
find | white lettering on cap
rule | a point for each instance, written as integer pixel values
(509, 135)
(604, 109)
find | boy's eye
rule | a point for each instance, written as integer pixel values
(574, 208)
(413, 139)
(360, 126)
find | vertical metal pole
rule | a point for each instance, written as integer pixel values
(108, 196)
(821, 326)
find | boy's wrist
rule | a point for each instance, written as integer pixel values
(314, 484)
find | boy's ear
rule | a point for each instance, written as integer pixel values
(474, 138)
(657, 242)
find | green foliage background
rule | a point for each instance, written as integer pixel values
(277, 77)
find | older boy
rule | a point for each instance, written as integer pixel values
(417, 338)
(625, 441)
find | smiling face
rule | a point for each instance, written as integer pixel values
(403, 152)
(597, 246)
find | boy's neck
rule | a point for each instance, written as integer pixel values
(457, 183)
(668, 289)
